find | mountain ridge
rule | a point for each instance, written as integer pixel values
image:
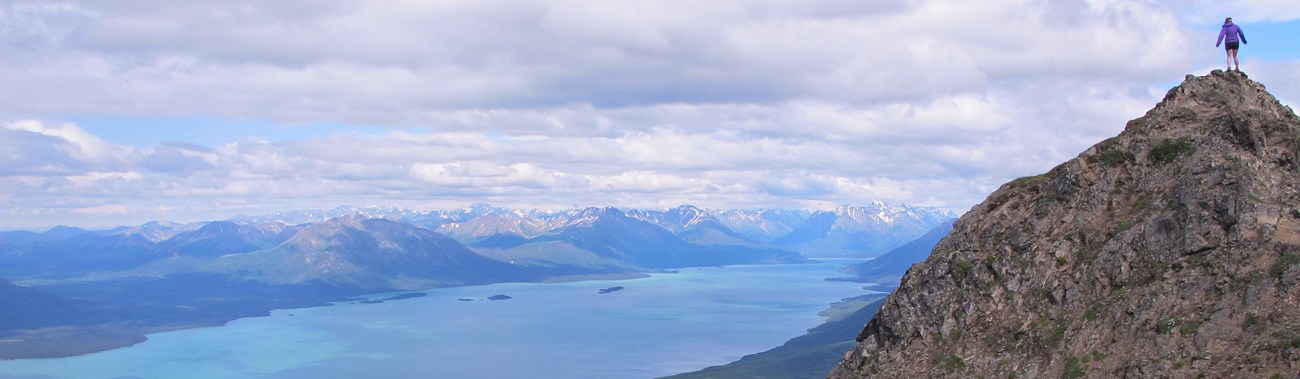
(861, 231)
(609, 239)
(369, 253)
(1169, 250)
(889, 267)
(163, 275)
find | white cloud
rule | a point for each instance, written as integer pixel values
(394, 64)
(488, 176)
(637, 103)
(32, 148)
(1282, 77)
(1213, 12)
(102, 209)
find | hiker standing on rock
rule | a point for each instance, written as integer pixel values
(1233, 34)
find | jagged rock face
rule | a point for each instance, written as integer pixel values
(1167, 251)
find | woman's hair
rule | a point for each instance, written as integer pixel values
(1227, 20)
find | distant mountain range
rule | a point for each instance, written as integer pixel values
(861, 231)
(847, 231)
(889, 267)
(368, 253)
(163, 275)
(610, 240)
(345, 247)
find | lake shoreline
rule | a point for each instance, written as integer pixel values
(810, 355)
(77, 340)
(696, 318)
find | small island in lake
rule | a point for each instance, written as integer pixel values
(408, 295)
(611, 289)
(499, 297)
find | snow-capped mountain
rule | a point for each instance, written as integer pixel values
(762, 225)
(861, 231)
(496, 222)
(315, 216)
(849, 230)
(609, 240)
(676, 220)
(157, 231)
(469, 223)
(692, 224)
(879, 214)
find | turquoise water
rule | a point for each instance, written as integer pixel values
(660, 325)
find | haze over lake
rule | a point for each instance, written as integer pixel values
(660, 325)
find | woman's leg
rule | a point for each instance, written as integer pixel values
(1232, 59)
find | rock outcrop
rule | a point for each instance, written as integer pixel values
(1171, 250)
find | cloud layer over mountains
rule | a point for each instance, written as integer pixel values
(121, 112)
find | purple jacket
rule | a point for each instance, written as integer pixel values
(1232, 31)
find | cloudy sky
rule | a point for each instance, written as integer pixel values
(122, 112)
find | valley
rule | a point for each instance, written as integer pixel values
(116, 285)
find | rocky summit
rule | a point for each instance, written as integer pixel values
(1169, 251)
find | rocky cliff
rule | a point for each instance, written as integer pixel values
(1171, 250)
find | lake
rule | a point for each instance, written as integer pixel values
(660, 325)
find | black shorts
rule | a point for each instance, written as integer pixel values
(1233, 46)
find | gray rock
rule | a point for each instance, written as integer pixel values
(1167, 251)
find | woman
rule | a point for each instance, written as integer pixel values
(1233, 34)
